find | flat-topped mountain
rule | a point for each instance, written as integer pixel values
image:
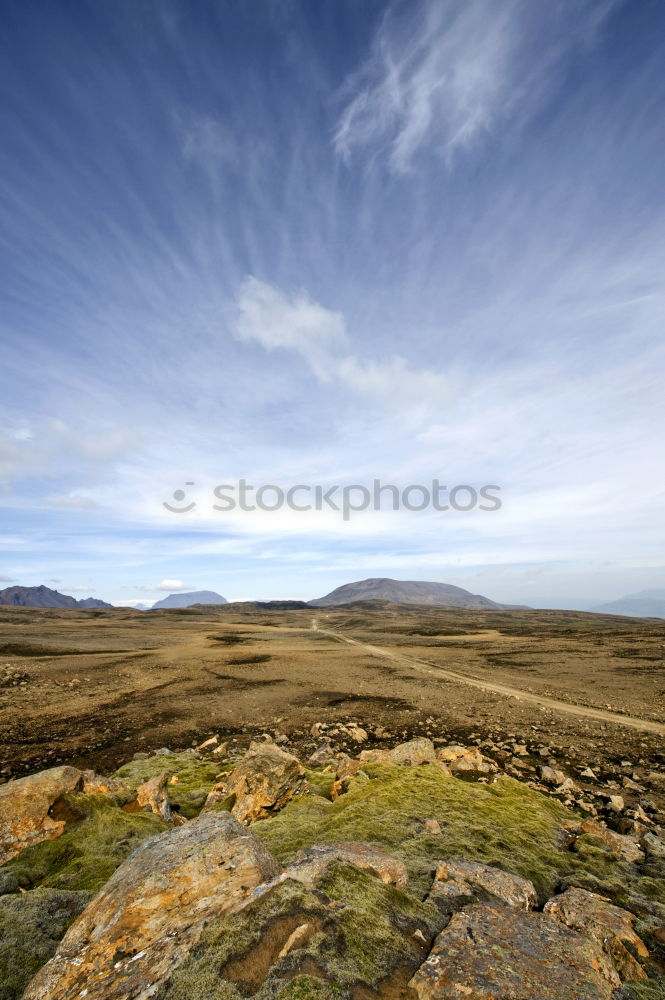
(44, 597)
(186, 600)
(406, 592)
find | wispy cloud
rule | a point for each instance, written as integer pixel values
(172, 586)
(443, 73)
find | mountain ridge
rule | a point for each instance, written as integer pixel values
(406, 592)
(192, 597)
(44, 597)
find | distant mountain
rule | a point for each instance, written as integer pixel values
(186, 600)
(44, 597)
(406, 592)
(633, 606)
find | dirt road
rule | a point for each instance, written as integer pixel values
(581, 711)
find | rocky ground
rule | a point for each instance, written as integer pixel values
(225, 803)
(421, 870)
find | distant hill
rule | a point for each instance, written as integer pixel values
(634, 607)
(406, 592)
(186, 600)
(44, 597)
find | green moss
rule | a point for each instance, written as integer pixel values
(505, 824)
(195, 778)
(321, 781)
(30, 927)
(360, 930)
(648, 989)
(90, 850)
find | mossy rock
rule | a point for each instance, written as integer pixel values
(31, 925)
(506, 824)
(355, 931)
(83, 858)
(195, 778)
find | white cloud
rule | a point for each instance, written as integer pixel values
(445, 72)
(7, 579)
(273, 319)
(172, 586)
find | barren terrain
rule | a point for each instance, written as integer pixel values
(80, 686)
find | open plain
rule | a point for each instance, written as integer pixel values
(80, 686)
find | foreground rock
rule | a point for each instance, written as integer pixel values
(609, 925)
(151, 913)
(262, 784)
(494, 953)
(344, 934)
(24, 808)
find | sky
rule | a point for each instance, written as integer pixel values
(299, 243)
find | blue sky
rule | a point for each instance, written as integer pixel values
(325, 243)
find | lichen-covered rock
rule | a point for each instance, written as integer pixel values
(610, 926)
(24, 808)
(309, 864)
(31, 925)
(458, 882)
(261, 784)
(148, 917)
(495, 953)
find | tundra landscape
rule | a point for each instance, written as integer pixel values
(408, 791)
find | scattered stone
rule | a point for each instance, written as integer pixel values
(465, 760)
(152, 795)
(588, 774)
(347, 769)
(432, 826)
(551, 776)
(146, 920)
(415, 752)
(321, 755)
(653, 845)
(209, 744)
(358, 734)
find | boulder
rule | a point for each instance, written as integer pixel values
(419, 751)
(457, 882)
(345, 934)
(551, 776)
(148, 917)
(311, 862)
(627, 848)
(495, 953)
(608, 925)
(653, 845)
(261, 784)
(347, 769)
(24, 808)
(152, 795)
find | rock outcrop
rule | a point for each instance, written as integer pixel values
(151, 913)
